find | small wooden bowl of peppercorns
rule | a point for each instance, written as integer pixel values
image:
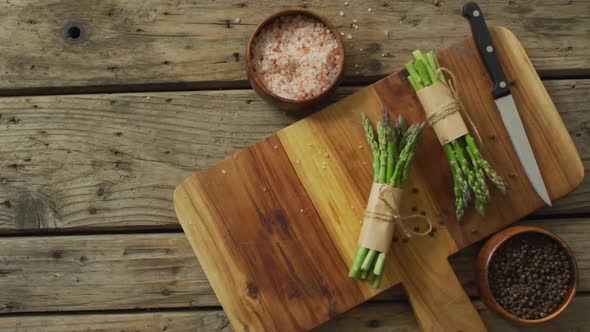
(526, 274)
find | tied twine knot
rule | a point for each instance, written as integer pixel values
(454, 105)
(392, 214)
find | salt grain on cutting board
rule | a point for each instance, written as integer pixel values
(296, 57)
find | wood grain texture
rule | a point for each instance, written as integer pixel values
(274, 255)
(322, 152)
(560, 165)
(324, 172)
(171, 321)
(130, 151)
(100, 273)
(136, 44)
(377, 317)
(110, 272)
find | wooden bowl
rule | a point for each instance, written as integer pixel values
(284, 103)
(482, 271)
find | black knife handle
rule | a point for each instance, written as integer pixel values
(486, 48)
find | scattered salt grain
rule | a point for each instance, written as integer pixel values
(264, 189)
(326, 155)
(341, 13)
(354, 26)
(237, 20)
(346, 3)
(383, 54)
(342, 33)
(276, 147)
(364, 163)
(223, 171)
(387, 33)
(360, 49)
(349, 36)
(298, 161)
(370, 9)
(295, 57)
(301, 210)
(356, 65)
(148, 97)
(361, 147)
(354, 20)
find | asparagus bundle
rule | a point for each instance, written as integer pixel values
(393, 154)
(468, 167)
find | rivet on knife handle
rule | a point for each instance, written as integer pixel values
(486, 48)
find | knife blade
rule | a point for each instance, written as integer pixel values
(504, 101)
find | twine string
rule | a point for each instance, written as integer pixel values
(397, 219)
(455, 106)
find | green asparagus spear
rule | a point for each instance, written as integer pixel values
(382, 152)
(468, 167)
(389, 139)
(467, 170)
(368, 260)
(361, 253)
(377, 282)
(430, 71)
(423, 73)
(410, 67)
(459, 176)
(408, 165)
(492, 175)
(370, 135)
(415, 84)
(379, 264)
(393, 152)
(479, 173)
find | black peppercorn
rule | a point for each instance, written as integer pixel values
(530, 275)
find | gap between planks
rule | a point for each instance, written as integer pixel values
(176, 229)
(354, 81)
(390, 316)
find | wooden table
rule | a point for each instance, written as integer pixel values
(110, 104)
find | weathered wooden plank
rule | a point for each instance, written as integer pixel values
(377, 317)
(136, 44)
(79, 161)
(162, 321)
(110, 272)
(100, 272)
(399, 317)
(112, 161)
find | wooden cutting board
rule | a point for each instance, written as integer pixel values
(275, 225)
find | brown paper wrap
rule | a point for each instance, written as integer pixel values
(443, 112)
(380, 217)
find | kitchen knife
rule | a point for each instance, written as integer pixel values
(503, 99)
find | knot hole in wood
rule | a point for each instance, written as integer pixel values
(73, 32)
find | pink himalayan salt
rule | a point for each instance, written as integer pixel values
(296, 57)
